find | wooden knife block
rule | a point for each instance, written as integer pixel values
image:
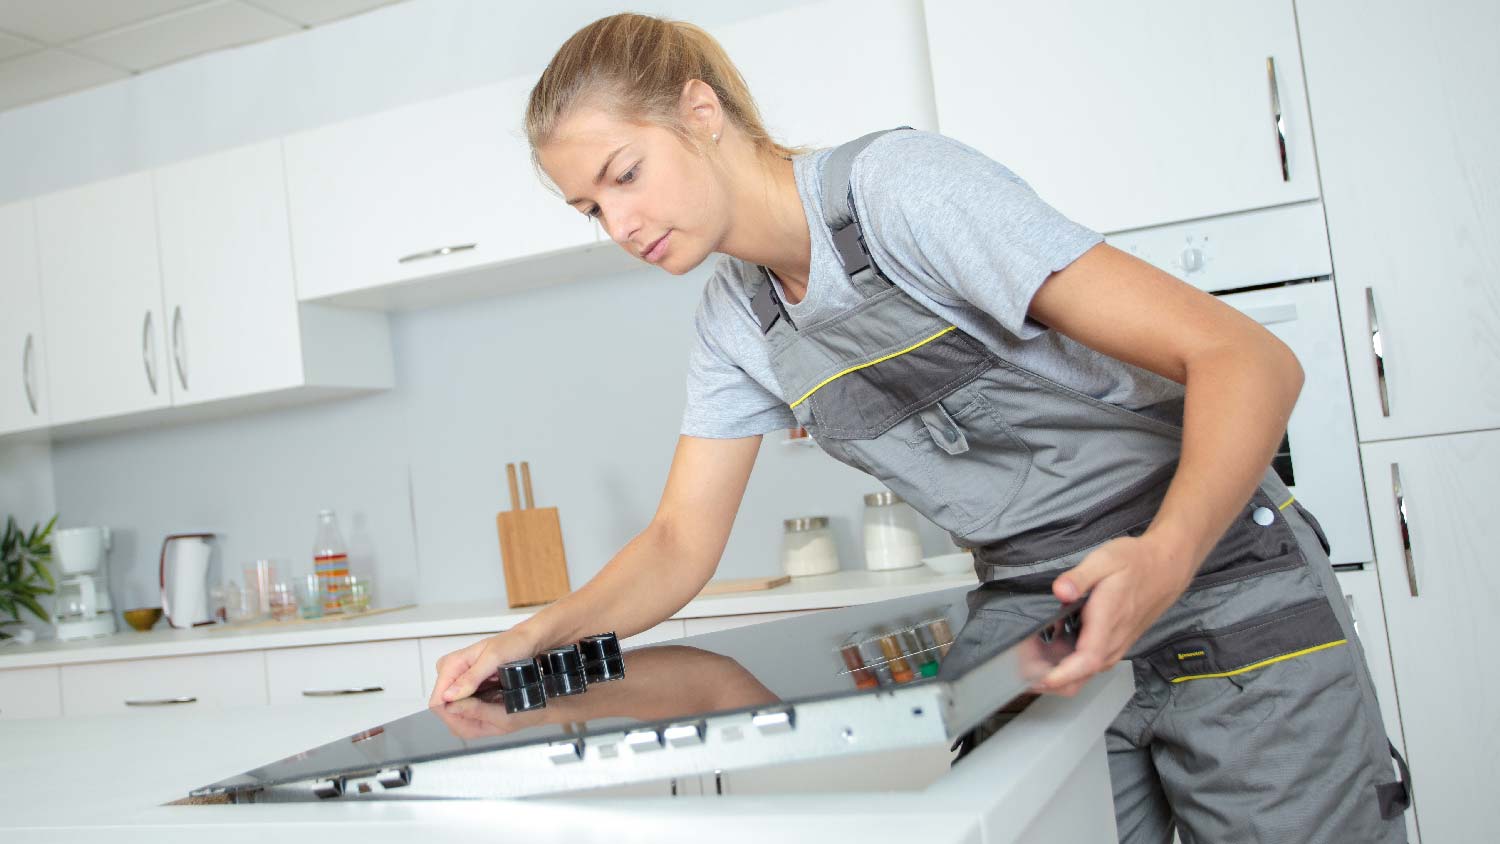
(531, 551)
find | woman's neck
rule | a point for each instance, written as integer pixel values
(768, 226)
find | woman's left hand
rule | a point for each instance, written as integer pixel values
(1130, 582)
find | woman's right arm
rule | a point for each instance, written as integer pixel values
(653, 576)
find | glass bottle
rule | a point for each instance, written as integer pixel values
(330, 561)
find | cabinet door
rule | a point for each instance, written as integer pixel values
(1124, 115)
(421, 190)
(226, 263)
(29, 693)
(23, 383)
(1438, 495)
(211, 681)
(1407, 128)
(101, 293)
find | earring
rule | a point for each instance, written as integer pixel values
(716, 137)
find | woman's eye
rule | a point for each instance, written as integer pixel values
(591, 211)
(628, 176)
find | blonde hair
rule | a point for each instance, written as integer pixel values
(635, 67)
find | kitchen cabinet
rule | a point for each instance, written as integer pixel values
(23, 382)
(101, 297)
(334, 673)
(1124, 115)
(233, 322)
(1407, 127)
(427, 189)
(30, 693)
(713, 624)
(1432, 510)
(211, 681)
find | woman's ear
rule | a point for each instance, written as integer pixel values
(700, 111)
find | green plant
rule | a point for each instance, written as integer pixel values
(24, 571)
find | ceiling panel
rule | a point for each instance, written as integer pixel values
(312, 12)
(47, 74)
(61, 21)
(11, 46)
(187, 33)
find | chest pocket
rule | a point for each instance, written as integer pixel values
(917, 422)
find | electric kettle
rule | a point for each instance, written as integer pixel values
(184, 579)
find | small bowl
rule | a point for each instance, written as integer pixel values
(142, 619)
(951, 563)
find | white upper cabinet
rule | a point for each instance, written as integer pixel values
(23, 382)
(101, 294)
(1123, 115)
(231, 301)
(422, 190)
(830, 72)
(1408, 124)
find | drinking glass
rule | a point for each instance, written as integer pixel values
(310, 596)
(283, 601)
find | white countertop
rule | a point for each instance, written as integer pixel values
(840, 589)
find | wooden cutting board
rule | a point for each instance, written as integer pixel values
(743, 584)
(531, 548)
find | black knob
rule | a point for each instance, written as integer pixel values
(601, 657)
(520, 687)
(562, 671)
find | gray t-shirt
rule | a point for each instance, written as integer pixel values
(955, 230)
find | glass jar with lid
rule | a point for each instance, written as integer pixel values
(891, 539)
(807, 547)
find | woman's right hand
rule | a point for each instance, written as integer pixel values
(461, 672)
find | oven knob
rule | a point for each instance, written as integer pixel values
(1192, 259)
(562, 671)
(602, 660)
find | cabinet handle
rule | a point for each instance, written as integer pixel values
(148, 352)
(1277, 122)
(177, 345)
(341, 692)
(1411, 565)
(436, 253)
(166, 701)
(26, 358)
(1377, 348)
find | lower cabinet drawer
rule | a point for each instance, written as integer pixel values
(212, 681)
(335, 672)
(30, 693)
(713, 624)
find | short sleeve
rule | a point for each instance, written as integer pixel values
(723, 400)
(961, 226)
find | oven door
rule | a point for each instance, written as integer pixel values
(1319, 459)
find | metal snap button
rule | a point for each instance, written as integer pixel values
(950, 435)
(1263, 516)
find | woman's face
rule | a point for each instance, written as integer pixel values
(658, 198)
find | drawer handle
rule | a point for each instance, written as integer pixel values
(1411, 564)
(436, 253)
(1377, 347)
(341, 692)
(1277, 122)
(166, 701)
(26, 369)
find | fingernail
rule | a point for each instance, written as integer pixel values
(1067, 591)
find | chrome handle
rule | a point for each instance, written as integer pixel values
(26, 358)
(1377, 347)
(341, 692)
(436, 253)
(177, 344)
(148, 352)
(166, 701)
(1277, 122)
(1411, 565)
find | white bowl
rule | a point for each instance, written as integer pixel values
(951, 563)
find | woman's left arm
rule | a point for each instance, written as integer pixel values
(1241, 384)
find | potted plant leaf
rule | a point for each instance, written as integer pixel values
(25, 572)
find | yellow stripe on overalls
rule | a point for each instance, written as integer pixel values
(833, 378)
(1263, 663)
(1287, 503)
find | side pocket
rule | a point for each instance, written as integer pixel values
(1298, 630)
(1313, 523)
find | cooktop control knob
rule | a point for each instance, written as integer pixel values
(562, 671)
(521, 686)
(1192, 259)
(601, 658)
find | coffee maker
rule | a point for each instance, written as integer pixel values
(81, 607)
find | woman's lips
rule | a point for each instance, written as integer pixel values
(655, 252)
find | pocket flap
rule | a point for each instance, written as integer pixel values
(945, 432)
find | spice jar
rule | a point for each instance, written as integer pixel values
(891, 540)
(807, 547)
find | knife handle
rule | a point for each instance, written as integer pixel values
(510, 475)
(526, 483)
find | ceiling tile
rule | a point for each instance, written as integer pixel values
(47, 74)
(61, 21)
(184, 34)
(312, 12)
(11, 46)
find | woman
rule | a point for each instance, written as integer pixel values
(1087, 423)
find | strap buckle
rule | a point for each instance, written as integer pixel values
(850, 244)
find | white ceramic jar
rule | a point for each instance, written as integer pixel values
(891, 539)
(807, 547)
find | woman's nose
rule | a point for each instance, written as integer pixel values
(621, 223)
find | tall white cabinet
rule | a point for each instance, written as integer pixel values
(23, 383)
(1126, 115)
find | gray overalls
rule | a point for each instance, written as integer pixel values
(1254, 718)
